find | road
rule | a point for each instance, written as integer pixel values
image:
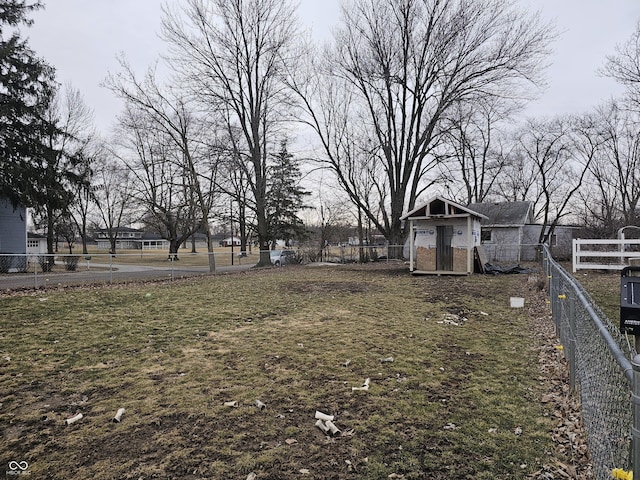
(101, 273)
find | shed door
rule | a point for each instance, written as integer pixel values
(444, 252)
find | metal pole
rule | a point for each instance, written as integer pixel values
(635, 429)
(572, 344)
(231, 221)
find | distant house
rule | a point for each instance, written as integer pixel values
(131, 239)
(443, 236)
(509, 232)
(227, 242)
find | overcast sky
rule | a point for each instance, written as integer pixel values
(81, 39)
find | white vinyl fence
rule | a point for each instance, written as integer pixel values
(605, 254)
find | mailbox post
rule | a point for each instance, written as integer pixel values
(630, 324)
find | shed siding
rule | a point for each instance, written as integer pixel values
(561, 247)
(504, 245)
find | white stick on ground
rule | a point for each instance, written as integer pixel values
(71, 420)
(365, 385)
(332, 428)
(231, 404)
(323, 416)
(321, 425)
(118, 416)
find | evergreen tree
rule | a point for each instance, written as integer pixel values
(285, 198)
(26, 89)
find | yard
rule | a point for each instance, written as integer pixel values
(460, 384)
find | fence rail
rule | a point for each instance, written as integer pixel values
(607, 254)
(600, 370)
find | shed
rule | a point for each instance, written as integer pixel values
(442, 237)
(503, 229)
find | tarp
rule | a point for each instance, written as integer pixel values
(498, 269)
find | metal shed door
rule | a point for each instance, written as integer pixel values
(444, 252)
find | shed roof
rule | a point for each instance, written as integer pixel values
(441, 207)
(506, 214)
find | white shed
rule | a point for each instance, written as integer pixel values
(443, 236)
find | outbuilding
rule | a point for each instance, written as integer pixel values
(442, 237)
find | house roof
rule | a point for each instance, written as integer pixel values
(504, 214)
(35, 236)
(441, 207)
(119, 229)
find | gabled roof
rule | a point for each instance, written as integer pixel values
(441, 207)
(505, 214)
(119, 229)
(35, 236)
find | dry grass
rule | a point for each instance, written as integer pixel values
(461, 398)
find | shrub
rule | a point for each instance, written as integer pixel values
(46, 263)
(5, 263)
(71, 263)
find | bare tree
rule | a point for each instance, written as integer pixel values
(84, 200)
(331, 111)
(407, 62)
(561, 160)
(624, 65)
(518, 179)
(473, 148)
(615, 172)
(113, 193)
(172, 115)
(161, 184)
(232, 54)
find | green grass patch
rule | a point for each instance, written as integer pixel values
(459, 400)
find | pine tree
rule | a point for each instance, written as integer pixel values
(285, 198)
(26, 90)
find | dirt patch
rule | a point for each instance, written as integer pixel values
(320, 288)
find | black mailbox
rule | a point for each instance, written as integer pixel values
(630, 301)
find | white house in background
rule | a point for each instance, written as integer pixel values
(36, 244)
(131, 239)
(227, 242)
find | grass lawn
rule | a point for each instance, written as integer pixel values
(159, 258)
(461, 398)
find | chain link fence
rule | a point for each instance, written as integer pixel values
(599, 367)
(42, 270)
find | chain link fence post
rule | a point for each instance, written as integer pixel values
(635, 429)
(571, 354)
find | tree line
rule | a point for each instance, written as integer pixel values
(409, 97)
